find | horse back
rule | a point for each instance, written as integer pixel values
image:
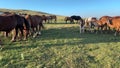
(7, 22)
(116, 21)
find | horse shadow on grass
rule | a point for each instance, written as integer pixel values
(75, 36)
(18, 45)
(68, 36)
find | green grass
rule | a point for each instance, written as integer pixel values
(62, 46)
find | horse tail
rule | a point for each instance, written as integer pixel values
(27, 24)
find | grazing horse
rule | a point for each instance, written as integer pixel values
(114, 23)
(49, 18)
(52, 18)
(12, 21)
(36, 23)
(90, 23)
(77, 18)
(102, 23)
(68, 19)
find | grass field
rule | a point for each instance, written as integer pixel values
(62, 46)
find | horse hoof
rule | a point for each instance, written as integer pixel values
(24, 39)
(13, 40)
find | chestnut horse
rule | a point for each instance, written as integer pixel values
(102, 23)
(68, 19)
(36, 23)
(114, 23)
(12, 21)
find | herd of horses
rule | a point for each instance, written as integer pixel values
(105, 23)
(31, 25)
(23, 25)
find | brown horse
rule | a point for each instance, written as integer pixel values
(114, 23)
(52, 18)
(36, 23)
(68, 19)
(102, 23)
(12, 21)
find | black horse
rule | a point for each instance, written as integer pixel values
(77, 18)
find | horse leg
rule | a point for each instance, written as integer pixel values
(80, 29)
(48, 21)
(14, 34)
(25, 33)
(21, 34)
(39, 29)
(55, 21)
(51, 20)
(6, 33)
(115, 33)
(35, 32)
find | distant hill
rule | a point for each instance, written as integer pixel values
(30, 12)
(24, 11)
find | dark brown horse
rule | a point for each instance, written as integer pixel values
(36, 23)
(12, 21)
(49, 19)
(68, 19)
(52, 18)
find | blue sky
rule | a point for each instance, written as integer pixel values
(84, 8)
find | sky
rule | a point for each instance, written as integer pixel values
(83, 8)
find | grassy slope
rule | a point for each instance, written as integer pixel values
(61, 46)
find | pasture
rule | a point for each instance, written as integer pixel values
(62, 46)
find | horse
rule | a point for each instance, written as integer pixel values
(90, 23)
(52, 17)
(36, 23)
(114, 23)
(68, 19)
(102, 23)
(14, 22)
(77, 18)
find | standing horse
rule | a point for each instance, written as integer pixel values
(68, 19)
(23, 25)
(12, 21)
(36, 23)
(114, 23)
(90, 23)
(102, 23)
(77, 18)
(53, 18)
